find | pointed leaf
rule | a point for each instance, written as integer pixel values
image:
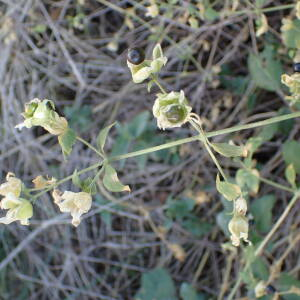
(228, 150)
(290, 174)
(101, 138)
(112, 182)
(66, 141)
(157, 52)
(248, 179)
(229, 190)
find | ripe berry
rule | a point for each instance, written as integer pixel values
(297, 67)
(135, 56)
(270, 289)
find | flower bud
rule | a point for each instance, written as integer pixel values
(240, 206)
(260, 289)
(171, 110)
(238, 227)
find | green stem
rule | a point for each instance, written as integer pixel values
(89, 145)
(159, 85)
(50, 187)
(177, 143)
(206, 144)
(264, 10)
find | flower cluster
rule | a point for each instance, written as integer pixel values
(19, 209)
(146, 68)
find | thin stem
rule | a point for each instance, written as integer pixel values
(50, 187)
(206, 144)
(176, 143)
(159, 85)
(277, 224)
(89, 145)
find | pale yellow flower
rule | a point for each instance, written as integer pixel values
(12, 185)
(74, 203)
(171, 110)
(260, 289)
(152, 10)
(238, 227)
(41, 113)
(19, 209)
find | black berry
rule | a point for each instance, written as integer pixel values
(297, 67)
(270, 289)
(135, 56)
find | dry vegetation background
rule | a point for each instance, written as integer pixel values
(73, 53)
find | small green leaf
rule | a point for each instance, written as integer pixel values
(229, 190)
(290, 152)
(228, 150)
(290, 175)
(157, 52)
(187, 292)
(291, 36)
(66, 141)
(101, 139)
(112, 182)
(248, 179)
(156, 284)
(261, 210)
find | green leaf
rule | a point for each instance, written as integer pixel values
(285, 282)
(112, 182)
(228, 150)
(290, 174)
(139, 124)
(265, 70)
(291, 37)
(260, 269)
(179, 208)
(66, 141)
(268, 132)
(76, 180)
(187, 292)
(89, 186)
(157, 52)
(196, 227)
(290, 152)
(248, 179)
(156, 284)
(261, 210)
(101, 138)
(229, 190)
